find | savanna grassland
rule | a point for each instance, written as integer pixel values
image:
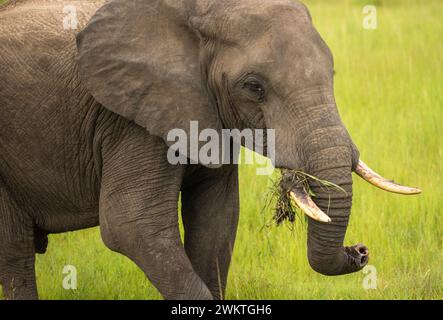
(389, 88)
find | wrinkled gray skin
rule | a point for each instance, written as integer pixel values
(84, 120)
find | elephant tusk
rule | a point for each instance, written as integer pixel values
(305, 203)
(377, 180)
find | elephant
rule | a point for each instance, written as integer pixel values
(86, 111)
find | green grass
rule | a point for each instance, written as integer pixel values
(390, 93)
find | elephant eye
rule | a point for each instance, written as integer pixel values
(256, 89)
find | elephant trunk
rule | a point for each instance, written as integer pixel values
(326, 253)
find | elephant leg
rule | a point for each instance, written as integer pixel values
(17, 251)
(210, 208)
(139, 215)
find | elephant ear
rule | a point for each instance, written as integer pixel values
(140, 59)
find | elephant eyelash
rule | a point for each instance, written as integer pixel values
(253, 86)
(255, 89)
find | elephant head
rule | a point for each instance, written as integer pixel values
(235, 64)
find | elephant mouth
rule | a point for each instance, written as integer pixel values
(294, 190)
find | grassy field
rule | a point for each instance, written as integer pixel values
(390, 93)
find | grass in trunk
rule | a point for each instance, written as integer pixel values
(279, 193)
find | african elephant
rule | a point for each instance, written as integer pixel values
(86, 112)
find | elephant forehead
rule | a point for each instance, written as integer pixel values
(250, 16)
(272, 33)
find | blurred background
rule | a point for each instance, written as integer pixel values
(389, 88)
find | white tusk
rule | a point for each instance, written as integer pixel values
(305, 203)
(377, 180)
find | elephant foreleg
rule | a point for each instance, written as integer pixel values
(17, 250)
(210, 208)
(139, 215)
